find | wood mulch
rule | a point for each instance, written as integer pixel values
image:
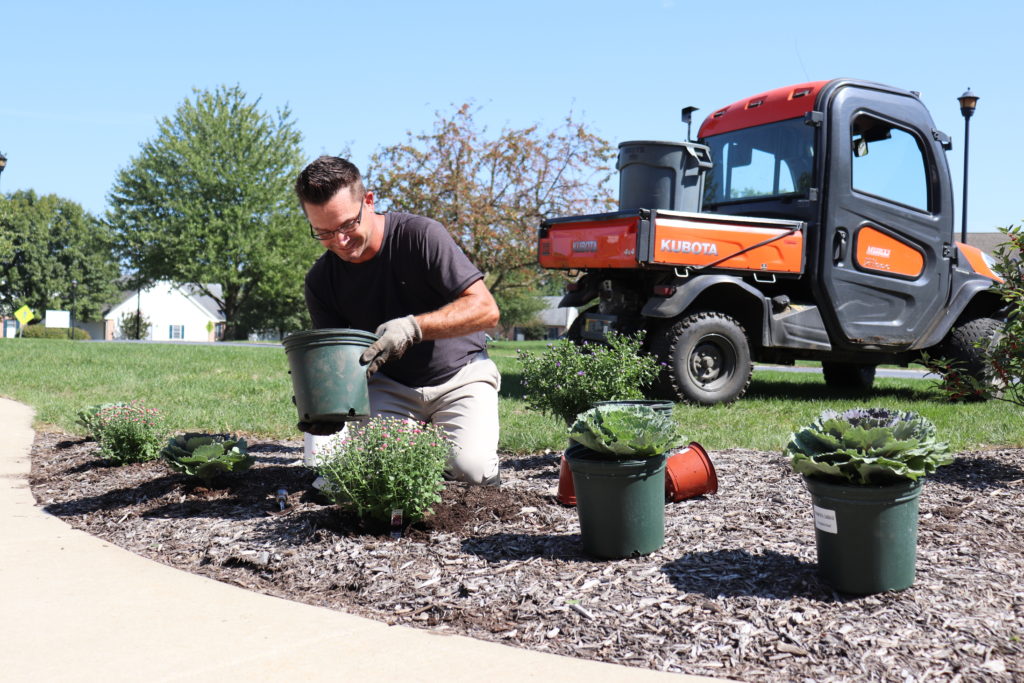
(733, 593)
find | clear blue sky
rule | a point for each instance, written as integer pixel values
(84, 83)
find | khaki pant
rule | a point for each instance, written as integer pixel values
(466, 407)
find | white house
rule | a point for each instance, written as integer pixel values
(556, 320)
(174, 313)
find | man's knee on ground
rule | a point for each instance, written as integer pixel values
(472, 468)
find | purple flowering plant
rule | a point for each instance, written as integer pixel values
(385, 464)
(566, 379)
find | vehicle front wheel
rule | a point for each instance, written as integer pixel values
(706, 356)
(967, 343)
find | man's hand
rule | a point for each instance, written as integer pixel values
(321, 428)
(396, 336)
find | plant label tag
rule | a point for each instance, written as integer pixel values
(825, 520)
(396, 523)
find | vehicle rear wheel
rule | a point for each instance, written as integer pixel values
(848, 376)
(707, 359)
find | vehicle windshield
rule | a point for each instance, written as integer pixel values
(769, 161)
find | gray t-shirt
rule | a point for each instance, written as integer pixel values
(418, 269)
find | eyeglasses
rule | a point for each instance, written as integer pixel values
(345, 228)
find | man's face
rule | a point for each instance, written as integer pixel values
(342, 224)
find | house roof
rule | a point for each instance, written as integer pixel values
(190, 291)
(555, 316)
(206, 302)
(986, 241)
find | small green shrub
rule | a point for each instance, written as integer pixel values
(43, 332)
(206, 456)
(566, 379)
(867, 446)
(89, 417)
(385, 464)
(129, 432)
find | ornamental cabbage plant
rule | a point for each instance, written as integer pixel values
(385, 464)
(626, 431)
(206, 455)
(865, 446)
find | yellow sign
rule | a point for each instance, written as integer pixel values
(24, 314)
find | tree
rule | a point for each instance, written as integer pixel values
(209, 201)
(493, 193)
(56, 252)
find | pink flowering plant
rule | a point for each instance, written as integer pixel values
(386, 464)
(128, 432)
(566, 379)
(88, 417)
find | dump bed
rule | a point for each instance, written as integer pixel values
(672, 239)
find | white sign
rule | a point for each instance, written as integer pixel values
(825, 520)
(57, 319)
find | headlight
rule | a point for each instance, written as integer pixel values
(990, 262)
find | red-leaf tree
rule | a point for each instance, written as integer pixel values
(492, 192)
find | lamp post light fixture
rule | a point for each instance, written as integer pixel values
(968, 103)
(3, 163)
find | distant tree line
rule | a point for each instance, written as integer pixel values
(208, 200)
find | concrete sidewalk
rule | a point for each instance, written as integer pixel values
(76, 608)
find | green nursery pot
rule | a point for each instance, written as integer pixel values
(866, 535)
(620, 503)
(328, 382)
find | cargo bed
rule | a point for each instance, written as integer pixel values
(672, 239)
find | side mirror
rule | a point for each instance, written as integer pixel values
(860, 147)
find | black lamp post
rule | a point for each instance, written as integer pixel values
(968, 102)
(74, 286)
(3, 163)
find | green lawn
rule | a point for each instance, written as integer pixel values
(247, 389)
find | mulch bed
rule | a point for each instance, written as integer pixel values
(733, 593)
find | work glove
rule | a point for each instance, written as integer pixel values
(320, 428)
(396, 336)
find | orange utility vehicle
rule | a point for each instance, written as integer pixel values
(808, 222)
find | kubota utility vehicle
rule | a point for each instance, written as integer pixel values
(809, 222)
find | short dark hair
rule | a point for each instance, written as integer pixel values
(321, 180)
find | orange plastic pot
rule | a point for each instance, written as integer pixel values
(689, 473)
(566, 491)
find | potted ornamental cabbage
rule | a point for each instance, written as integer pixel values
(617, 462)
(864, 469)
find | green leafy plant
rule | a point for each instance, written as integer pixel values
(206, 456)
(867, 446)
(627, 430)
(1003, 355)
(385, 464)
(566, 378)
(88, 417)
(129, 432)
